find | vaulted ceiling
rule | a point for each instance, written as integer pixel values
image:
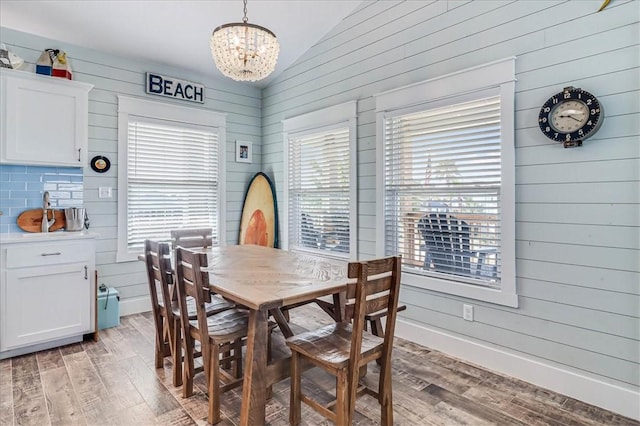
(173, 32)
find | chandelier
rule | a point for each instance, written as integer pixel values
(243, 51)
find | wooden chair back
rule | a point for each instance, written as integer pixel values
(191, 281)
(158, 265)
(377, 277)
(190, 238)
(377, 289)
(447, 242)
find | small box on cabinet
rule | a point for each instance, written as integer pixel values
(108, 308)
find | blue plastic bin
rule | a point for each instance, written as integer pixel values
(108, 308)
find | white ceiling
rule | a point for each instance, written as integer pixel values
(173, 32)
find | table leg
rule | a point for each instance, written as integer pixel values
(282, 322)
(339, 302)
(254, 386)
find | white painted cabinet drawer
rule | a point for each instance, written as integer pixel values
(53, 253)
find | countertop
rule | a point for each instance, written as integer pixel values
(29, 237)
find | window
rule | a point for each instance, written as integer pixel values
(169, 172)
(320, 181)
(446, 190)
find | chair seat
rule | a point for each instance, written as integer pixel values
(217, 304)
(226, 325)
(331, 344)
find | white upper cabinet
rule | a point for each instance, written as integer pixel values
(44, 120)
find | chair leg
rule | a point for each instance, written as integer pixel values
(187, 371)
(295, 405)
(269, 394)
(237, 359)
(363, 371)
(159, 355)
(385, 395)
(214, 385)
(226, 364)
(176, 354)
(342, 399)
(377, 330)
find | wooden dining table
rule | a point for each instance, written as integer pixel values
(265, 280)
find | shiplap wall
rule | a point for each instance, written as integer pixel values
(111, 76)
(577, 212)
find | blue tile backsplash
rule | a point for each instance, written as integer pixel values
(21, 188)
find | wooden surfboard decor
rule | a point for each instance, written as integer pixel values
(259, 220)
(31, 220)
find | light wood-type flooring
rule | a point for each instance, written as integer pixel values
(114, 382)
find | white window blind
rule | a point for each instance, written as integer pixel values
(442, 190)
(318, 186)
(172, 179)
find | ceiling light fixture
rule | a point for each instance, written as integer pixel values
(243, 51)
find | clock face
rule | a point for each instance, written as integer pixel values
(570, 116)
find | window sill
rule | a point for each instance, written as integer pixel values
(499, 297)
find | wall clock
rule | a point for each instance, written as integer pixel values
(570, 116)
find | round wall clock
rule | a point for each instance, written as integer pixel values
(100, 164)
(570, 116)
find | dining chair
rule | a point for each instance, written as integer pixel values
(198, 238)
(167, 324)
(190, 238)
(343, 348)
(167, 321)
(220, 335)
(448, 248)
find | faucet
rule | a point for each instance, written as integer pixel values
(46, 206)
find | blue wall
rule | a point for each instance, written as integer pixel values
(21, 188)
(577, 243)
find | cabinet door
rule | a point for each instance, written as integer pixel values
(45, 122)
(45, 303)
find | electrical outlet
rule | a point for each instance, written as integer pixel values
(104, 192)
(467, 312)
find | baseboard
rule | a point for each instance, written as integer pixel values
(134, 305)
(623, 401)
(41, 346)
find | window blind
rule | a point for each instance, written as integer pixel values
(442, 190)
(319, 192)
(172, 179)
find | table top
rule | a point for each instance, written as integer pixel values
(265, 278)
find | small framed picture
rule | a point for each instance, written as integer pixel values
(244, 151)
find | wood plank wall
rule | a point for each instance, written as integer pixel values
(113, 75)
(577, 211)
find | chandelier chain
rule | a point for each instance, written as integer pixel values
(245, 19)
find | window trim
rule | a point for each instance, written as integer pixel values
(498, 74)
(165, 112)
(341, 115)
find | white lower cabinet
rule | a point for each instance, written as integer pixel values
(47, 296)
